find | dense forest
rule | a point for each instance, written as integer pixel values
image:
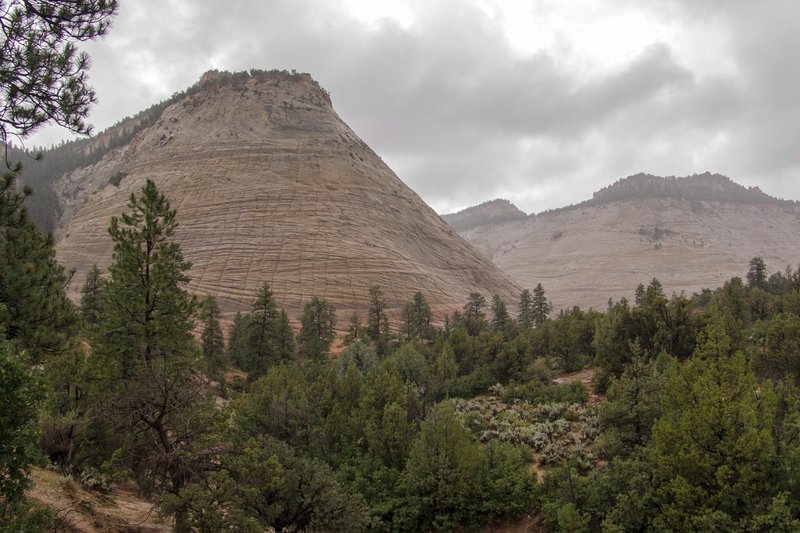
(691, 421)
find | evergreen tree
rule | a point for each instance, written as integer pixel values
(474, 315)
(757, 273)
(614, 342)
(525, 310)
(283, 338)
(264, 314)
(633, 404)
(238, 339)
(650, 320)
(446, 367)
(91, 306)
(713, 449)
(452, 482)
(145, 348)
(355, 332)
(377, 314)
(416, 319)
(357, 356)
(540, 306)
(270, 339)
(43, 75)
(22, 393)
(212, 342)
(317, 328)
(439, 472)
(383, 344)
(780, 358)
(38, 316)
(501, 321)
(263, 484)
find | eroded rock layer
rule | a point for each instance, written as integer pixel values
(690, 233)
(271, 185)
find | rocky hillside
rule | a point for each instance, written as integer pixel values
(491, 212)
(707, 187)
(271, 185)
(690, 233)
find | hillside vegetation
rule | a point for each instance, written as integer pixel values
(413, 427)
(698, 187)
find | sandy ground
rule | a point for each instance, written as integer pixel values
(79, 510)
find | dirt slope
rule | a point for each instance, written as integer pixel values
(79, 510)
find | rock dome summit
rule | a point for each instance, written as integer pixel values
(271, 185)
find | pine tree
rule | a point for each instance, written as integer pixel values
(377, 313)
(317, 328)
(212, 342)
(238, 339)
(22, 393)
(38, 316)
(416, 319)
(91, 306)
(283, 338)
(264, 313)
(540, 307)
(446, 365)
(261, 350)
(757, 273)
(474, 316)
(713, 450)
(525, 310)
(355, 332)
(44, 78)
(144, 346)
(501, 321)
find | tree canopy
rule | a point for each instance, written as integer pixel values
(42, 74)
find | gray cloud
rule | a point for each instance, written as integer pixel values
(462, 116)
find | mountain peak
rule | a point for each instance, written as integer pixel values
(271, 185)
(494, 211)
(706, 186)
(213, 79)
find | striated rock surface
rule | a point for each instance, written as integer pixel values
(271, 185)
(690, 233)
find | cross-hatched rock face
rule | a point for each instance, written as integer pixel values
(271, 185)
(586, 254)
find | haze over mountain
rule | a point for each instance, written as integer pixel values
(270, 185)
(690, 233)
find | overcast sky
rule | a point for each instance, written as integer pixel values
(541, 102)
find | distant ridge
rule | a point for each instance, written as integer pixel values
(491, 212)
(706, 187)
(689, 232)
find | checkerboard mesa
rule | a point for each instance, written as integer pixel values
(271, 185)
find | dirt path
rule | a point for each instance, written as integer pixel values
(584, 376)
(79, 510)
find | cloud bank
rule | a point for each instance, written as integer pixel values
(537, 102)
